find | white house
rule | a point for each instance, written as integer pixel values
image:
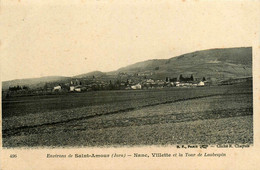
(72, 88)
(137, 86)
(201, 83)
(78, 89)
(58, 88)
(150, 81)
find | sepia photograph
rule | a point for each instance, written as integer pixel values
(203, 97)
(119, 76)
(83, 83)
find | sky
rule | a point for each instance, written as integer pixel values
(45, 38)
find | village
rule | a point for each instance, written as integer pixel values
(122, 81)
(78, 85)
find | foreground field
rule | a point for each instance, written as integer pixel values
(209, 115)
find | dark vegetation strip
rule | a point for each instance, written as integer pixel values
(17, 130)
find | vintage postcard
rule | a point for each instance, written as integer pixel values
(95, 84)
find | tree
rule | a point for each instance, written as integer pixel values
(45, 86)
(191, 78)
(203, 79)
(111, 86)
(181, 78)
(18, 87)
(127, 82)
(25, 88)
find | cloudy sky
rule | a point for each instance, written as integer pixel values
(41, 38)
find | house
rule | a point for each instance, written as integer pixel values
(77, 89)
(150, 81)
(72, 88)
(57, 88)
(201, 83)
(137, 86)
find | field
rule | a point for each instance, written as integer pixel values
(206, 115)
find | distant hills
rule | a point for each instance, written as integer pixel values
(214, 63)
(218, 64)
(33, 82)
(91, 74)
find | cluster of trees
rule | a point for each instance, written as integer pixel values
(117, 85)
(189, 79)
(16, 88)
(186, 79)
(168, 79)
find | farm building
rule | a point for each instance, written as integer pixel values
(72, 88)
(57, 88)
(201, 83)
(137, 86)
(77, 89)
